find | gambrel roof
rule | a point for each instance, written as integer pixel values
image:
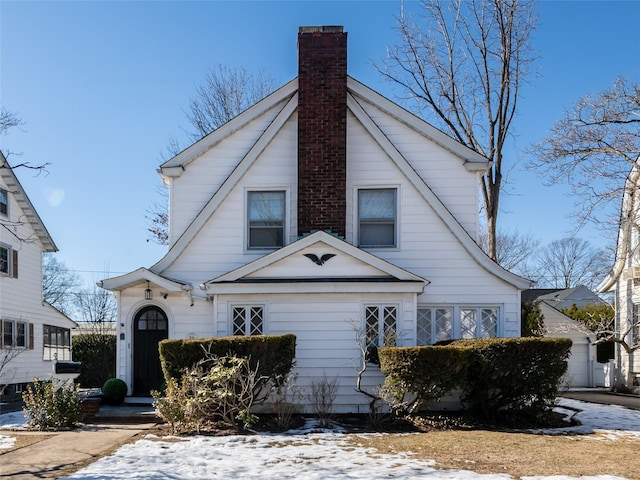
(28, 210)
(359, 98)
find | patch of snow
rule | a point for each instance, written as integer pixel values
(6, 442)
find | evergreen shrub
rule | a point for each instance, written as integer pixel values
(114, 391)
(271, 356)
(416, 377)
(97, 352)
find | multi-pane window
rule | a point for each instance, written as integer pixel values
(265, 219)
(434, 325)
(478, 322)
(247, 320)
(381, 325)
(4, 202)
(152, 319)
(57, 343)
(377, 217)
(14, 334)
(5, 255)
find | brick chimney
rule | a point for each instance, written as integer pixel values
(322, 129)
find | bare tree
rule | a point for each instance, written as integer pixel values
(59, 284)
(464, 61)
(225, 93)
(514, 250)
(96, 309)
(570, 262)
(593, 148)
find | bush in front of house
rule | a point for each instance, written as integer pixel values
(270, 355)
(514, 379)
(416, 377)
(97, 352)
(501, 379)
(48, 406)
(114, 391)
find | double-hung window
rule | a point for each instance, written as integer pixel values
(4, 203)
(8, 261)
(377, 217)
(381, 325)
(434, 324)
(15, 334)
(247, 320)
(265, 219)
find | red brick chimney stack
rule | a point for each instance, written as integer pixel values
(322, 129)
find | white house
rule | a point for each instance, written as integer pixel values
(324, 210)
(33, 333)
(624, 282)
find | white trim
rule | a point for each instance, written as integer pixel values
(473, 161)
(432, 199)
(304, 242)
(227, 186)
(140, 277)
(175, 166)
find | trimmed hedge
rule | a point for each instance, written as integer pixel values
(97, 352)
(500, 378)
(514, 377)
(272, 354)
(419, 376)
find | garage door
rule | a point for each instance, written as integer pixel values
(578, 371)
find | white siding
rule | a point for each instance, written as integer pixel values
(21, 298)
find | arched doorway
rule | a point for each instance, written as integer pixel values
(149, 327)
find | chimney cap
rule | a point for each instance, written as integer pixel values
(322, 29)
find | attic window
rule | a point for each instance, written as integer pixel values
(4, 203)
(265, 218)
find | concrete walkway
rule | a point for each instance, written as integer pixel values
(56, 456)
(62, 453)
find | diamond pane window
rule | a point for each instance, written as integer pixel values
(381, 325)
(247, 320)
(423, 327)
(468, 322)
(444, 324)
(371, 326)
(489, 323)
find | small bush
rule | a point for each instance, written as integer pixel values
(114, 391)
(224, 391)
(416, 377)
(323, 394)
(49, 408)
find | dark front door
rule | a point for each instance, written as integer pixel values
(150, 326)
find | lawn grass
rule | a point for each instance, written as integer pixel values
(516, 454)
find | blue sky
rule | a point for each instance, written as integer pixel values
(103, 85)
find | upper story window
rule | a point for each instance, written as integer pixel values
(8, 261)
(377, 217)
(265, 219)
(4, 202)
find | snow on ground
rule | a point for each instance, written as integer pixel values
(313, 454)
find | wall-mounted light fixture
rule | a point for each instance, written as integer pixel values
(148, 293)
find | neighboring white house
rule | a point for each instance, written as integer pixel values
(624, 282)
(326, 211)
(33, 333)
(583, 368)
